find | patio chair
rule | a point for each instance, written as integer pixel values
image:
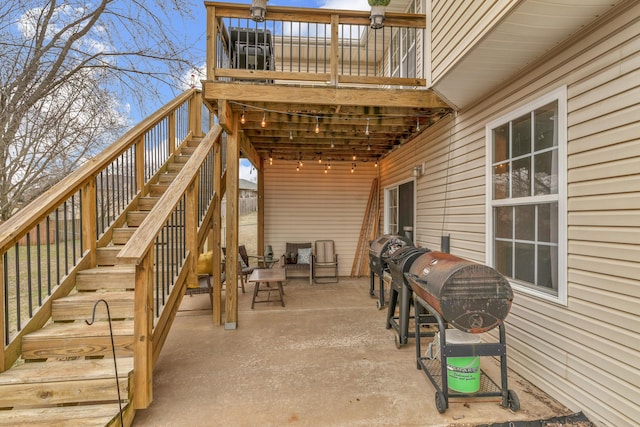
(297, 260)
(244, 267)
(325, 262)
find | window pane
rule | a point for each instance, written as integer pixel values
(547, 268)
(521, 136)
(501, 181)
(525, 262)
(521, 177)
(503, 255)
(526, 222)
(501, 143)
(546, 181)
(504, 222)
(548, 223)
(546, 122)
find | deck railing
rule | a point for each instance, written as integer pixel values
(56, 235)
(164, 250)
(314, 45)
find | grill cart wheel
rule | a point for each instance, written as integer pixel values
(514, 401)
(441, 402)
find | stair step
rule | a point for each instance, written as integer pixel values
(121, 235)
(116, 277)
(179, 158)
(58, 340)
(194, 141)
(174, 167)
(158, 189)
(79, 306)
(96, 415)
(63, 382)
(135, 218)
(107, 255)
(167, 178)
(187, 151)
(147, 203)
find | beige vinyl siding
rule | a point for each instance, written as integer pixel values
(586, 353)
(310, 205)
(457, 25)
(450, 194)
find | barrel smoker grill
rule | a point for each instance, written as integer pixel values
(380, 250)
(468, 296)
(400, 292)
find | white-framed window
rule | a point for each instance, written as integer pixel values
(391, 210)
(399, 208)
(526, 171)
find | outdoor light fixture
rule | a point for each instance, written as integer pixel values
(417, 171)
(258, 10)
(353, 167)
(368, 147)
(354, 154)
(417, 124)
(264, 119)
(377, 13)
(375, 165)
(317, 129)
(366, 132)
(243, 120)
(290, 134)
(377, 21)
(332, 144)
(270, 158)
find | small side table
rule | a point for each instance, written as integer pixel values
(267, 276)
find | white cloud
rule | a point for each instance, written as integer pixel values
(247, 171)
(194, 77)
(350, 5)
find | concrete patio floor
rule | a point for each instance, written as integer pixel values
(325, 359)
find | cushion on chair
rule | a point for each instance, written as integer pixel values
(304, 255)
(205, 263)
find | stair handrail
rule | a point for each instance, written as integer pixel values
(17, 226)
(150, 336)
(143, 238)
(77, 194)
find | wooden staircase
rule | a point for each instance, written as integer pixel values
(65, 375)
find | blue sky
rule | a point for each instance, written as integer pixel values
(195, 33)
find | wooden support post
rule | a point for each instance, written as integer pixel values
(212, 35)
(89, 226)
(260, 168)
(3, 358)
(231, 264)
(195, 114)
(143, 333)
(172, 132)
(335, 49)
(140, 165)
(191, 224)
(216, 235)
(225, 115)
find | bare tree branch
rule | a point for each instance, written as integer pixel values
(65, 69)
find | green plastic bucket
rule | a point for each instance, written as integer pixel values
(463, 373)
